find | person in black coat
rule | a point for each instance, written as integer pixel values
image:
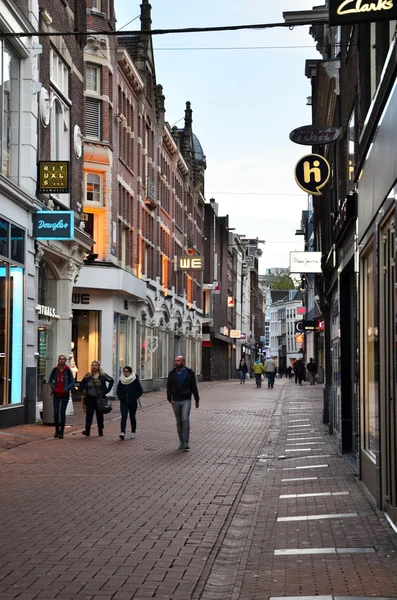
(95, 385)
(181, 385)
(129, 390)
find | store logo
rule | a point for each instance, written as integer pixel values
(312, 173)
(53, 225)
(355, 11)
(189, 263)
(59, 225)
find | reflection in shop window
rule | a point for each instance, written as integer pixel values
(369, 336)
(147, 348)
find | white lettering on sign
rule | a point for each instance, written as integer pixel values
(351, 7)
(54, 226)
(47, 311)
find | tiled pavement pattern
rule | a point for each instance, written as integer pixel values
(98, 518)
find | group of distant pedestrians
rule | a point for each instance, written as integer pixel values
(96, 384)
(269, 368)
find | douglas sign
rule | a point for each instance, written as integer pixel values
(342, 12)
(53, 225)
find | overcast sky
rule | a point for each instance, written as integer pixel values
(245, 103)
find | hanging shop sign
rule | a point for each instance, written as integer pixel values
(301, 310)
(53, 177)
(309, 325)
(344, 12)
(305, 262)
(312, 173)
(299, 327)
(235, 334)
(190, 263)
(312, 135)
(230, 301)
(53, 225)
(299, 338)
(216, 288)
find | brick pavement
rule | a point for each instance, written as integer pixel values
(98, 518)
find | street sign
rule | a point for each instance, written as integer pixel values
(343, 12)
(190, 263)
(312, 173)
(312, 135)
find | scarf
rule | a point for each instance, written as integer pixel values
(127, 380)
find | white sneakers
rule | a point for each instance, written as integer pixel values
(133, 436)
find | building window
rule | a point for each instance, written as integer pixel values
(12, 248)
(59, 73)
(93, 79)
(97, 5)
(369, 341)
(93, 118)
(9, 110)
(94, 188)
(350, 152)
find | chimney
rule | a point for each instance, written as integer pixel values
(214, 205)
(146, 19)
(160, 101)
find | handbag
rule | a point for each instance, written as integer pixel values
(104, 405)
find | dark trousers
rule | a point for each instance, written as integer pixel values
(182, 416)
(91, 408)
(62, 402)
(128, 408)
(298, 377)
(258, 380)
(270, 379)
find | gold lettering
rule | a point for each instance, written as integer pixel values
(349, 7)
(184, 263)
(308, 171)
(196, 263)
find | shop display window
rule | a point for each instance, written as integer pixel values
(369, 338)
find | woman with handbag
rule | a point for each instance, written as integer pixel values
(95, 386)
(129, 390)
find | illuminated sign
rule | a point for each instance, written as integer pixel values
(53, 225)
(301, 310)
(230, 301)
(312, 173)
(305, 262)
(53, 177)
(309, 325)
(190, 263)
(235, 333)
(299, 338)
(342, 12)
(299, 327)
(310, 135)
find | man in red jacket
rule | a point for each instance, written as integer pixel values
(61, 382)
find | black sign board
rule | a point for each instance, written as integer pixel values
(313, 135)
(309, 325)
(345, 12)
(299, 327)
(312, 173)
(53, 176)
(53, 225)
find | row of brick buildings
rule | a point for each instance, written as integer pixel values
(77, 95)
(353, 226)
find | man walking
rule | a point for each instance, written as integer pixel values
(181, 385)
(299, 369)
(270, 368)
(61, 382)
(311, 371)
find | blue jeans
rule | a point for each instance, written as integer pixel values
(270, 378)
(242, 376)
(182, 414)
(60, 401)
(128, 408)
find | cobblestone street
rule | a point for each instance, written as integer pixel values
(263, 506)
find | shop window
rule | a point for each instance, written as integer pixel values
(148, 347)
(17, 244)
(3, 238)
(93, 79)
(9, 109)
(369, 334)
(86, 336)
(94, 188)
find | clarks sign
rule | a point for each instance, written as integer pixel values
(342, 12)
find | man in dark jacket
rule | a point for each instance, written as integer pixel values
(181, 385)
(61, 382)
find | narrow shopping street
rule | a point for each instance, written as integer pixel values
(263, 506)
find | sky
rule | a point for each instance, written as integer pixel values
(245, 103)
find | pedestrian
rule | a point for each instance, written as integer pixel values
(95, 384)
(258, 370)
(299, 371)
(289, 372)
(61, 382)
(271, 367)
(129, 390)
(243, 370)
(312, 371)
(181, 385)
